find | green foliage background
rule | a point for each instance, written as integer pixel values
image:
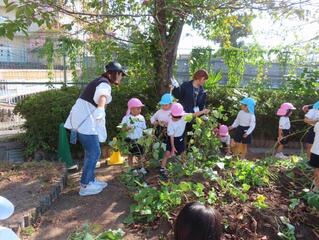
(45, 111)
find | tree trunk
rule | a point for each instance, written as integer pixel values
(165, 46)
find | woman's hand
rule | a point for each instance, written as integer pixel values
(230, 128)
(245, 135)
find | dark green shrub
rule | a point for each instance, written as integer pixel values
(43, 113)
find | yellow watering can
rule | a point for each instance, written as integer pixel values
(115, 158)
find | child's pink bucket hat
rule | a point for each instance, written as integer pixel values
(282, 111)
(133, 102)
(177, 110)
(223, 131)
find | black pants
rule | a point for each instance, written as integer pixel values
(134, 148)
(239, 133)
(310, 137)
(285, 133)
(179, 143)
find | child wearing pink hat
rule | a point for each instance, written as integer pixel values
(224, 138)
(284, 112)
(135, 124)
(175, 131)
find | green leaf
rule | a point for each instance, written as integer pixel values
(294, 203)
(245, 187)
(10, 7)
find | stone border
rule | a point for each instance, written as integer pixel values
(44, 204)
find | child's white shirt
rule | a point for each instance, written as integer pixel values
(315, 145)
(313, 115)
(225, 139)
(284, 123)
(137, 123)
(161, 115)
(245, 119)
(176, 128)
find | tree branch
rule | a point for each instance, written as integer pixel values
(99, 15)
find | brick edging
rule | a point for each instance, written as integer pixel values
(44, 204)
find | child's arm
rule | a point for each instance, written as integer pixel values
(279, 134)
(252, 126)
(200, 113)
(143, 123)
(173, 150)
(306, 108)
(228, 145)
(235, 123)
(310, 122)
(126, 124)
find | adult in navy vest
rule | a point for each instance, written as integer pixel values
(192, 95)
(87, 118)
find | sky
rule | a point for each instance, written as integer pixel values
(266, 32)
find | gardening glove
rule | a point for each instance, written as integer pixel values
(99, 113)
(174, 82)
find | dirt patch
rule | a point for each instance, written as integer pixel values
(25, 184)
(242, 220)
(106, 210)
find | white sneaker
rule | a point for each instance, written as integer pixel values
(100, 183)
(135, 172)
(142, 170)
(98, 164)
(90, 189)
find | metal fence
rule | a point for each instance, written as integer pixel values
(274, 73)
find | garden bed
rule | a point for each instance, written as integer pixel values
(261, 216)
(32, 187)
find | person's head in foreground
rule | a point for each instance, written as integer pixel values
(197, 221)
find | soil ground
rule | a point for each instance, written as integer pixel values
(25, 184)
(108, 209)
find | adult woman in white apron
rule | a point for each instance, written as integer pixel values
(87, 122)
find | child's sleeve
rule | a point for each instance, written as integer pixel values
(281, 123)
(143, 123)
(228, 140)
(310, 114)
(124, 120)
(236, 122)
(252, 125)
(154, 118)
(170, 130)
